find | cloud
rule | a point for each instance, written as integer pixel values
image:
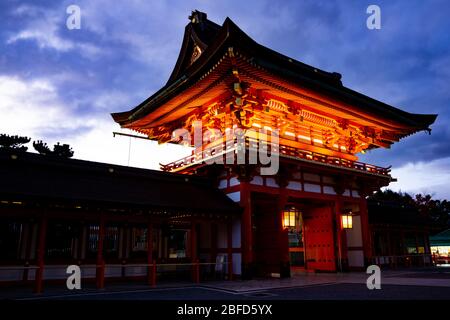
(424, 177)
(45, 26)
(34, 108)
(45, 38)
(147, 32)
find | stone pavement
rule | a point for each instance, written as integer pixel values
(421, 277)
(426, 278)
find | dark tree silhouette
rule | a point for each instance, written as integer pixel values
(59, 150)
(438, 211)
(13, 143)
(63, 150)
(41, 147)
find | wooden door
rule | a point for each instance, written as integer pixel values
(319, 239)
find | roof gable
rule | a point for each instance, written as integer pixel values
(205, 45)
(198, 35)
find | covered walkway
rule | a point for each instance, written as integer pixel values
(114, 222)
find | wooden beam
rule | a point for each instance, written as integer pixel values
(100, 273)
(41, 254)
(246, 230)
(150, 271)
(382, 144)
(230, 247)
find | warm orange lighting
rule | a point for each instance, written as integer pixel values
(304, 137)
(347, 221)
(288, 133)
(267, 128)
(318, 141)
(257, 125)
(289, 219)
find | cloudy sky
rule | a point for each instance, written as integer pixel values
(60, 85)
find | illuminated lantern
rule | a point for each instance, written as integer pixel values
(289, 218)
(347, 221)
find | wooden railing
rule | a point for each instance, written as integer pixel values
(409, 260)
(231, 147)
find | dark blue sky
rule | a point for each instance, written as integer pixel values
(60, 85)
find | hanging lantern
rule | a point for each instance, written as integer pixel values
(347, 221)
(289, 217)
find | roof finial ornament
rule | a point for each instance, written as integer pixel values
(197, 17)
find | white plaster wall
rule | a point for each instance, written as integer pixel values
(234, 182)
(309, 187)
(113, 271)
(223, 183)
(257, 180)
(135, 271)
(355, 258)
(237, 263)
(235, 196)
(354, 235)
(329, 190)
(294, 185)
(10, 275)
(56, 272)
(236, 234)
(270, 182)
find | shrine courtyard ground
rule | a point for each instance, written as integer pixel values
(407, 284)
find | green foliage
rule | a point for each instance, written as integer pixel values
(13, 143)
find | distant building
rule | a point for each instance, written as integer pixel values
(440, 247)
(400, 235)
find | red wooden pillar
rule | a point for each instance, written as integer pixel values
(150, 275)
(153, 280)
(246, 231)
(213, 245)
(100, 275)
(389, 249)
(27, 243)
(365, 230)
(341, 236)
(41, 254)
(194, 259)
(230, 247)
(194, 240)
(283, 240)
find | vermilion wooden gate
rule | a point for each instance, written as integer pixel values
(319, 239)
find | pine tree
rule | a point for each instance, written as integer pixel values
(63, 150)
(13, 143)
(41, 147)
(59, 150)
